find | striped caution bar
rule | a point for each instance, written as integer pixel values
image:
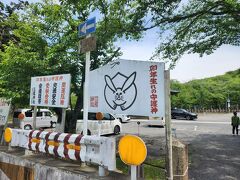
(58, 144)
(94, 149)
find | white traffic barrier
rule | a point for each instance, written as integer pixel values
(101, 150)
(93, 149)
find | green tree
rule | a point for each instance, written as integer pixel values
(41, 39)
(209, 92)
(48, 44)
(197, 27)
(6, 23)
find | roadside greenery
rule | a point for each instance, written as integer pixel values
(42, 40)
(152, 168)
(195, 26)
(209, 92)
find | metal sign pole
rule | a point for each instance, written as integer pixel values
(34, 117)
(85, 98)
(168, 125)
(133, 172)
(62, 125)
(87, 46)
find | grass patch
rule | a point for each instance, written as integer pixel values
(156, 162)
(152, 168)
(121, 166)
(151, 172)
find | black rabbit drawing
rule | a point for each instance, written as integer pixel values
(118, 94)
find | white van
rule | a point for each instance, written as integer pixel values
(156, 121)
(44, 118)
(109, 125)
(122, 117)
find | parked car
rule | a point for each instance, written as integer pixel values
(156, 121)
(122, 117)
(44, 118)
(182, 113)
(109, 125)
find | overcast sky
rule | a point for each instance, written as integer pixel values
(226, 58)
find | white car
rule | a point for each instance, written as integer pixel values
(156, 121)
(122, 117)
(109, 125)
(44, 118)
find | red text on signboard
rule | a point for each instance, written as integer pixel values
(94, 101)
(153, 87)
(63, 89)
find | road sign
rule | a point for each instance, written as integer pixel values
(87, 27)
(8, 135)
(128, 87)
(132, 150)
(88, 44)
(50, 91)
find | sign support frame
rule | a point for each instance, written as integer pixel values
(62, 124)
(86, 85)
(34, 117)
(168, 128)
(101, 171)
(133, 172)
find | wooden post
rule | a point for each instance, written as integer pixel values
(34, 117)
(168, 128)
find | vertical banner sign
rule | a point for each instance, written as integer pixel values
(128, 87)
(4, 111)
(50, 91)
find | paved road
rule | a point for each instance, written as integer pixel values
(214, 153)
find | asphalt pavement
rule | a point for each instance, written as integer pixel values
(214, 153)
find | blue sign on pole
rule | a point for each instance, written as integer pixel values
(87, 27)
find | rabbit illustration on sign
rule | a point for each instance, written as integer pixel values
(120, 91)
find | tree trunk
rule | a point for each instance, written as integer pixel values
(73, 115)
(58, 111)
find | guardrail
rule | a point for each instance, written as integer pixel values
(93, 149)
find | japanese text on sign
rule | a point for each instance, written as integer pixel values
(52, 91)
(153, 83)
(128, 87)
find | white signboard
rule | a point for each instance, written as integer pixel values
(4, 111)
(51, 91)
(128, 87)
